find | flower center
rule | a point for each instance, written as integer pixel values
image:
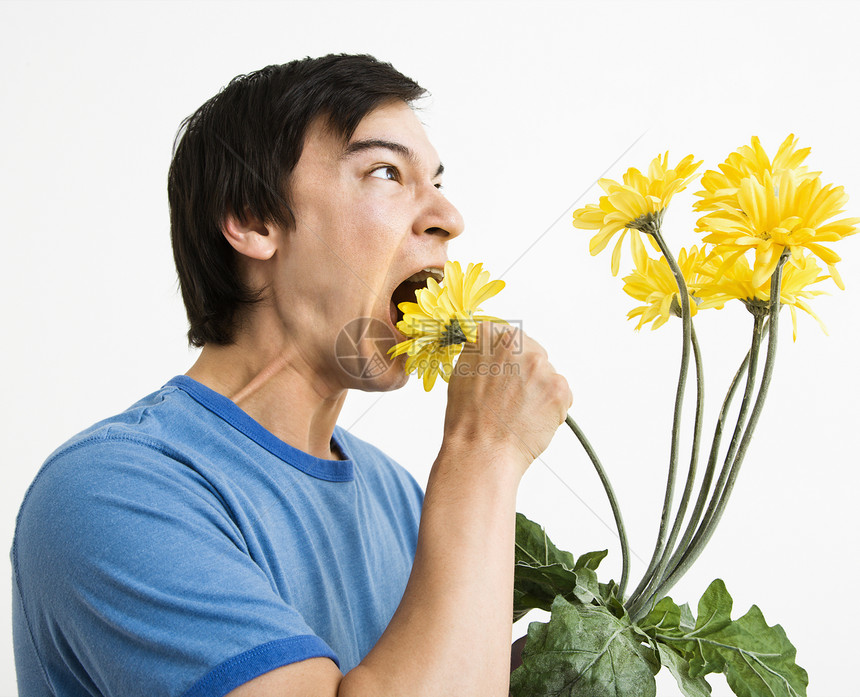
(453, 334)
(758, 308)
(649, 223)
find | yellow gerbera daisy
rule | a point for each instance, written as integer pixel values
(750, 160)
(637, 203)
(720, 283)
(442, 319)
(778, 211)
(654, 284)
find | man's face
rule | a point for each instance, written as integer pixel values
(369, 215)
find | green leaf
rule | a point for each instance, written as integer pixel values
(584, 651)
(714, 614)
(609, 595)
(537, 586)
(664, 618)
(587, 589)
(534, 548)
(678, 666)
(542, 571)
(715, 608)
(687, 619)
(591, 560)
(758, 660)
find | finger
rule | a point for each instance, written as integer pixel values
(485, 337)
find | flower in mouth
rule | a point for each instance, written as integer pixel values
(442, 319)
(637, 203)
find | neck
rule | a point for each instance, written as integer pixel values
(276, 388)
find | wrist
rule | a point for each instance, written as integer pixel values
(491, 465)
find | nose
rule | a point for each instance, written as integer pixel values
(439, 216)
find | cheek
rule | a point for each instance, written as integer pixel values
(375, 223)
(375, 239)
(353, 240)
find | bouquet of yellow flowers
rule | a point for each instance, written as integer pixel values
(767, 223)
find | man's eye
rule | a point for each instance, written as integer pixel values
(386, 172)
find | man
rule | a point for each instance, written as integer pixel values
(223, 535)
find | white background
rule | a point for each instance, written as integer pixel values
(531, 103)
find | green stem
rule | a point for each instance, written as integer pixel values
(676, 423)
(737, 434)
(708, 477)
(751, 365)
(613, 501)
(691, 478)
(707, 531)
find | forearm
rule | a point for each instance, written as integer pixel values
(451, 633)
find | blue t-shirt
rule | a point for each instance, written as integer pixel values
(179, 548)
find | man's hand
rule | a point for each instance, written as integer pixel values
(505, 397)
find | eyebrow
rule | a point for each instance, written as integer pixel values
(358, 146)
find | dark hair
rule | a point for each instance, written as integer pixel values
(235, 155)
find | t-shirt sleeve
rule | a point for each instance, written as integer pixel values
(129, 565)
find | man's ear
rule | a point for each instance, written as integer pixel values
(251, 237)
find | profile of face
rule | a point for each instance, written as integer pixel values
(369, 214)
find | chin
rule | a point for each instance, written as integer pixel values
(393, 378)
(361, 350)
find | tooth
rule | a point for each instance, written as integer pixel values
(424, 274)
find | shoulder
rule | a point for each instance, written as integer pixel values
(164, 416)
(125, 471)
(128, 549)
(153, 429)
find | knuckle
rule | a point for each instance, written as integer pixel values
(563, 394)
(533, 361)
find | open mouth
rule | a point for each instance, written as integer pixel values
(405, 292)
